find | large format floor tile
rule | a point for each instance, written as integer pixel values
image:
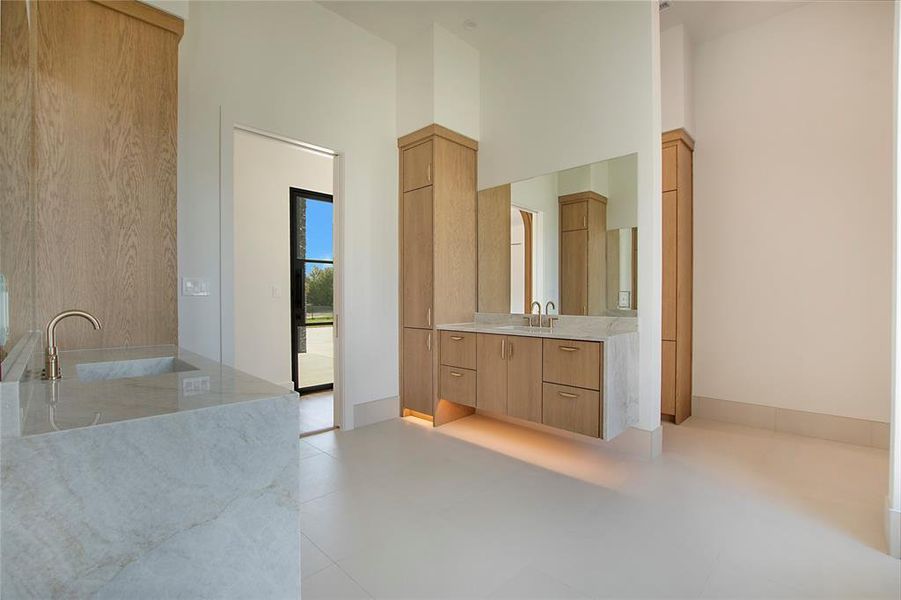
(485, 509)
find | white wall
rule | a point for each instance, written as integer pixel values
(893, 503)
(677, 109)
(264, 171)
(437, 82)
(303, 72)
(179, 8)
(622, 192)
(598, 64)
(792, 211)
(539, 195)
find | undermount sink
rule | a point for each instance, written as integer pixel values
(140, 367)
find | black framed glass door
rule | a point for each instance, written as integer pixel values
(312, 290)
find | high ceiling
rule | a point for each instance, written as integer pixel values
(395, 20)
(707, 20)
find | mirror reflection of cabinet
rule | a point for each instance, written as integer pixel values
(583, 254)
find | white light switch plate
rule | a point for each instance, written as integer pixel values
(625, 300)
(195, 286)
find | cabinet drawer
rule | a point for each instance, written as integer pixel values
(417, 166)
(457, 385)
(458, 349)
(573, 363)
(571, 408)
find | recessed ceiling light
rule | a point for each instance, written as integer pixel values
(469, 25)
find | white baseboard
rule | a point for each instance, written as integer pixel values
(893, 529)
(376, 411)
(860, 432)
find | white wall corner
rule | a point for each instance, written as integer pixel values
(415, 82)
(893, 501)
(676, 79)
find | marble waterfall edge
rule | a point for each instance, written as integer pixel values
(193, 504)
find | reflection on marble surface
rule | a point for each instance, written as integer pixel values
(136, 393)
(592, 329)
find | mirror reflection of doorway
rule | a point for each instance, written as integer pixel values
(312, 304)
(522, 234)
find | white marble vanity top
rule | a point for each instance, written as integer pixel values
(590, 329)
(110, 385)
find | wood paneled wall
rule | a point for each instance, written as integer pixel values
(16, 167)
(105, 151)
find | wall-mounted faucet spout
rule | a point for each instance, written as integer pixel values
(51, 366)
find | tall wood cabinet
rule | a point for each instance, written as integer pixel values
(675, 401)
(438, 271)
(583, 254)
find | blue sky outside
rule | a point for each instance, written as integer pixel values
(319, 229)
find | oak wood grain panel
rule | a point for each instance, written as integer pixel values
(613, 266)
(491, 380)
(417, 262)
(105, 148)
(418, 166)
(458, 349)
(668, 378)
(457, 385)
(684, 279)
(16, 168)
(455, 233)
(574, 216)
(494, 249)
(149, 14)
(574, 272)
(571, 408)
(670, 174)
(670, 258)
(568, 362)
(596, 272)
(418, 369)
(524, 378)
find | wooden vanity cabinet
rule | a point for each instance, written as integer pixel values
(572, 394)
(583, 254)
(676, 316)
(509, 376)
(437, 262)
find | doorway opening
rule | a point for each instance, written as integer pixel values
(522, 236)
(312, 306)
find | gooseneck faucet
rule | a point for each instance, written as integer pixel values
(532, 312)
(51, 365)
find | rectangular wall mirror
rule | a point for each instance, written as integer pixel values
(568, 237)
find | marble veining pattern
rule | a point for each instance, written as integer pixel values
(620, 384)
(197, 504)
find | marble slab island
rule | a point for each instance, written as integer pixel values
(147, 473)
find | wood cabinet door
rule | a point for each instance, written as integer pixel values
(491, 373)
(524, 378)
(418, 274)
(668, 378)
(417, 386)
(574, 272)
(668, 289)
(573, 216)
(572, 408)
(417, 166)
(670, 168)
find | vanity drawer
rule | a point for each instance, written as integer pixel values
(568, 362)
(457, 385)
(571, 408)
(458, 349)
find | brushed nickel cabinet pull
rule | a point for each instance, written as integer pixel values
(503, 349)
(569, 348)
(429, 173)
(455, 374)
(428, 342)
(510, 353)
(585, 222)
(456, 338)
(568, 395)
(428, 317)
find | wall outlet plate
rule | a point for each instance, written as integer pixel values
(625, 300)
(195, 286)
(191, 386)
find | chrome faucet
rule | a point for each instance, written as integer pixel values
(532, 312)
(51, 364)
(547, 313)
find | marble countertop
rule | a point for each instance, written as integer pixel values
(97, 388)
(590, 329)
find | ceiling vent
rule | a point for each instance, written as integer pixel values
(664, 4)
